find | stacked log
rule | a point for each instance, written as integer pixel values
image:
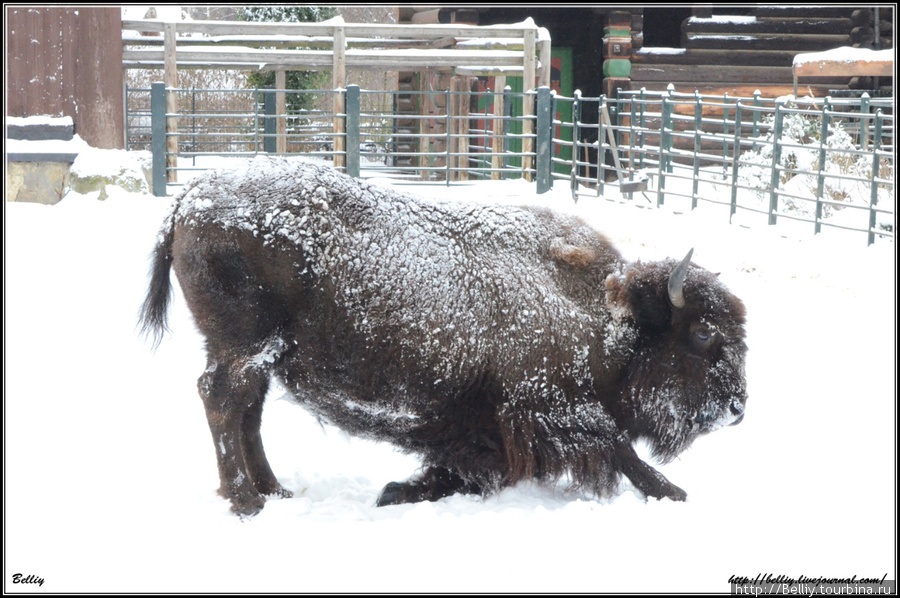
(738, 55)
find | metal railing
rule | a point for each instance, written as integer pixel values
(817, 163)
(814, 164)
(447, 136)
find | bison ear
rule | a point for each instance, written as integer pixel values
(640, 294)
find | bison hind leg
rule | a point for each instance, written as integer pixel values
(433, 484)
(233, 390)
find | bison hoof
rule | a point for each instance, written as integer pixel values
(245, 504)
(665, 490)
(281, 492)
(434, 484)
(675, 493)
(392, 494)
(249, 508)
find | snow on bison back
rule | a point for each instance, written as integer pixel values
(498, 343)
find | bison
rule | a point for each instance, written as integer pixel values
(498, 343)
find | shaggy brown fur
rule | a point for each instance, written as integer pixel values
(498, 343)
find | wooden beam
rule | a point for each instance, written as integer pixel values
(707, 73)
(339, 82)
(397, 31)
(171, 80)
(321, 60)
(497, 141)
(844, 62)
(528, 105)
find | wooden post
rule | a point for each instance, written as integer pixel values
(170, 78)
(545, 59)
(280, 111)
(528, 106)
(425, 109)
(339, 82)
(497, 140)
(462, 86)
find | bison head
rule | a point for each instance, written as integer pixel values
(686, 375)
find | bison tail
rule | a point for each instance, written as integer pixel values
(152, 319)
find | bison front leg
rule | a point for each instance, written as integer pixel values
(645, 478)
(232, 397)
(433, 484)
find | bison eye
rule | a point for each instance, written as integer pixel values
(701, 337)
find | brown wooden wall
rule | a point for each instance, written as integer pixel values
(68, 62)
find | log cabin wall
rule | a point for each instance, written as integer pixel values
(710, 49)
(738, 52)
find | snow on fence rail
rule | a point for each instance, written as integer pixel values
(811, 163)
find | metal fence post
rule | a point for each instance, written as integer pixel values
(755, 134)
(698, 126)
(449, 142)
(544, 139)
(642, 124)
(776, 158)
(351, 109)
(864, 122)
(876, 141)
(601, 150)
(725, 131)
(735, 163)
(665, 140)
(158, 137)
(507, 120)
(270, 141)
(576, 135)
(823, 154)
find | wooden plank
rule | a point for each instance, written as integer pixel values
(711, 73)
(833, 68)
(54, 69)
(734, 89)
(293, 41)
(171, 81)
(752, 25)
(528, 105)
(339, 81)
(803, 43)
(843, 62)
(398, 59)
(497, 126)
(693, 56)
(788, 11)
(351, 29)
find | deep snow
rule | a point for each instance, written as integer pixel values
(110, 473)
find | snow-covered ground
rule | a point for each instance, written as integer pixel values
(110, 475)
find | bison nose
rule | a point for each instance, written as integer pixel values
(737, 409)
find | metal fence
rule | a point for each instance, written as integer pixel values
(442, 136)
(808, 163)
(813, 164)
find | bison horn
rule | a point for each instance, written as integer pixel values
(676, 281)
